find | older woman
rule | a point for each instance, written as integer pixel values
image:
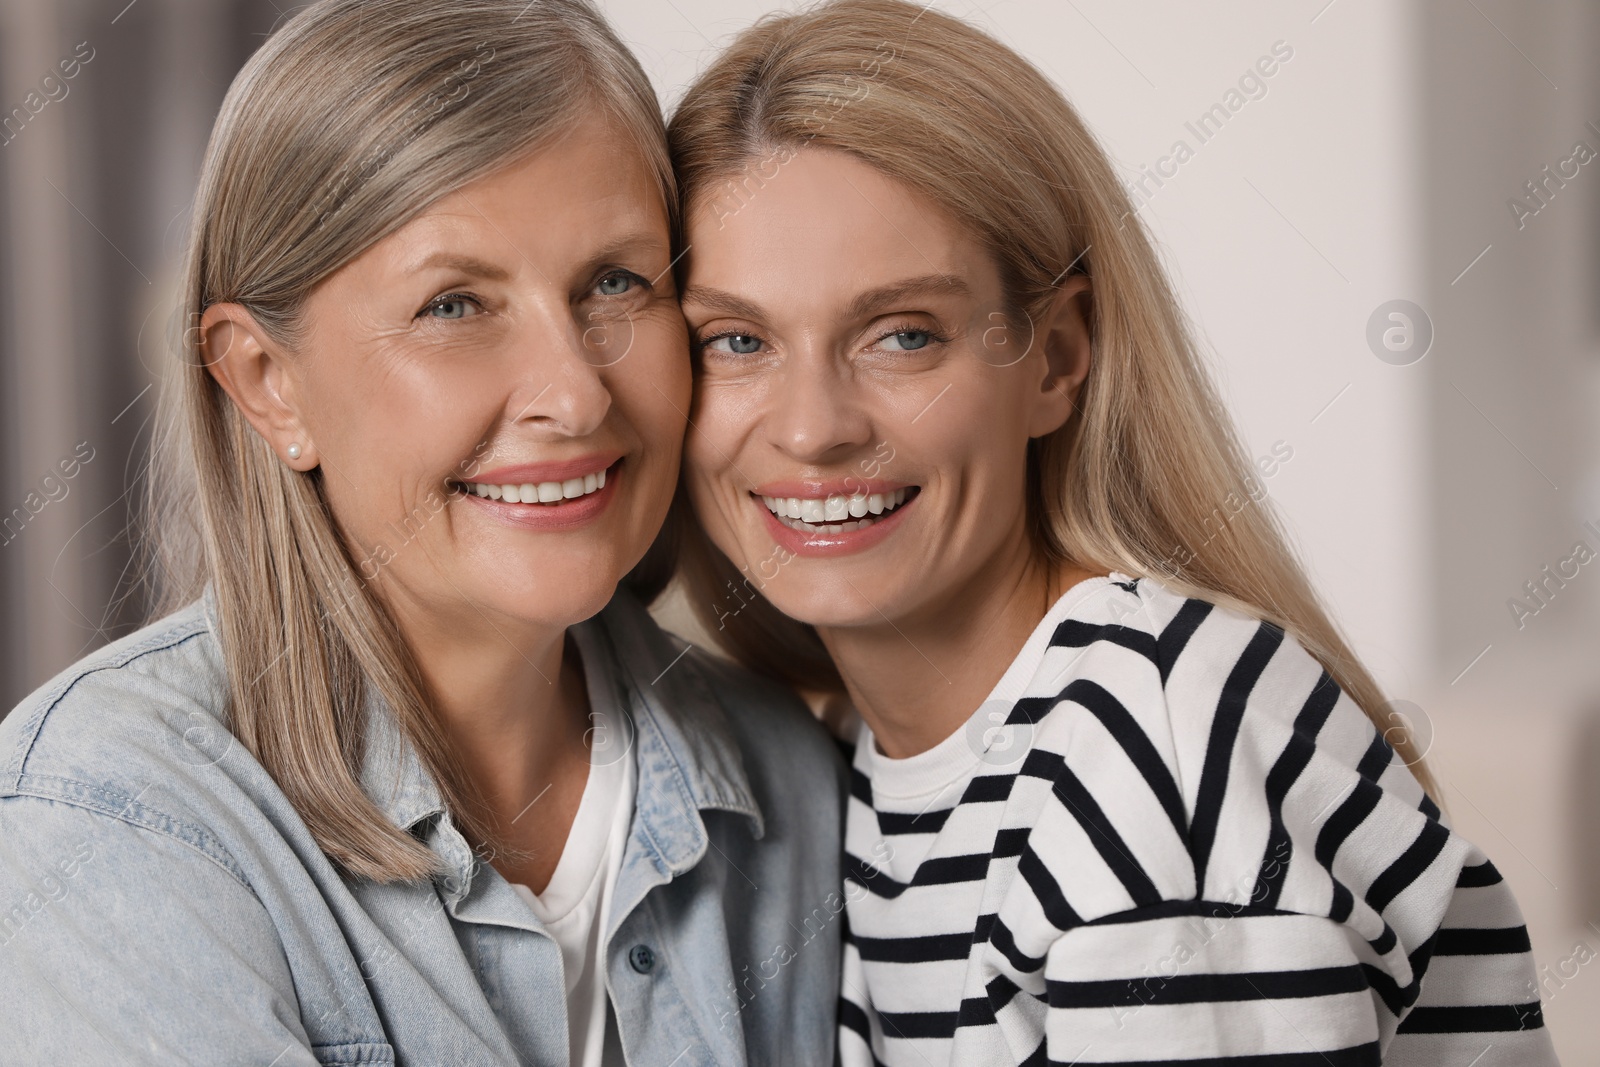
(410, 778)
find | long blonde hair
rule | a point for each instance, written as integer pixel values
(1140, 480)
(350, 119)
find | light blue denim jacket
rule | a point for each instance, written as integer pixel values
(162, 902)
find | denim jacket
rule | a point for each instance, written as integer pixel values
(162, 902)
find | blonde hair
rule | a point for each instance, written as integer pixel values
(1137, 482)
(350, 120)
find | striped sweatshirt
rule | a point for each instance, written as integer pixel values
(1169, 837)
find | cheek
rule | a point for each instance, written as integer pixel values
(654, 385)
(671, 383)
(376, 439)
(379, 473)
(708, 465)
(725, 418)
(703, 465)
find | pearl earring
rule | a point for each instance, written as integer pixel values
(294, 451)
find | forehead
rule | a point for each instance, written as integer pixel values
(591, 182)
(820, 221)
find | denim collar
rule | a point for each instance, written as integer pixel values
(688, 757)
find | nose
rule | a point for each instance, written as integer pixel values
(816, 414)
(561, 386)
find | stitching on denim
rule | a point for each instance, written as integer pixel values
(358, 1052)
(124, 808)
(687, 803)
(158, 642)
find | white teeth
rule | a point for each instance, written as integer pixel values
(833, 514)
(540, 492)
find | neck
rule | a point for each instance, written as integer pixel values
(514, 709)
(918, 678)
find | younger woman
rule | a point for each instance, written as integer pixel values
(1117, 797)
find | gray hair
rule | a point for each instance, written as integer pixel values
(333, 136)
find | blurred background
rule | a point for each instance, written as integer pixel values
(1390, 247)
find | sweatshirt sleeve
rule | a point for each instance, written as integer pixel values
(1209, 984)
(1331, 917)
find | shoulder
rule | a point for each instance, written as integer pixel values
(771, 725)
(126, 733)
(1188, 733)
(772, 722)
(1184, 639)
(794, 767)
(735, 732)
(1244, 698)
(1205, 681)
(143, 687)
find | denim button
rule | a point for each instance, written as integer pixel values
(641, 958)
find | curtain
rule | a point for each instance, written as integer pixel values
(104, 112)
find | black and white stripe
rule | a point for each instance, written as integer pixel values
(1203, 852)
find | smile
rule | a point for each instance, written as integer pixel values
(838, 513)
(539, 492)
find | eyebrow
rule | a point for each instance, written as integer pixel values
(721, 301)
(867, 303)
(465, 264)
(641, 240)
(875, 300)
(645, 241)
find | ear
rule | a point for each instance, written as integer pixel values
(255, 373)
(1064, 335)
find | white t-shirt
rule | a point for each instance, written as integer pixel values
(574, 907)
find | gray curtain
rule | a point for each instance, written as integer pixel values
(104, 112)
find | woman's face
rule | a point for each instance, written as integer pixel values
(863, 403)
(496, 392)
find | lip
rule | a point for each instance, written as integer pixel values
(561, 471)
(568, 515)
(827, 545)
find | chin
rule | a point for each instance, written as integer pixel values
(553, 592)
(542, 610)
(832, 602)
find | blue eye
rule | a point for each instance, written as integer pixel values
(908, 340)
(738, 344)
(615, 284)
(451, 307)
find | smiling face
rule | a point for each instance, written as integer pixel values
(496, 392)
(864, 402)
